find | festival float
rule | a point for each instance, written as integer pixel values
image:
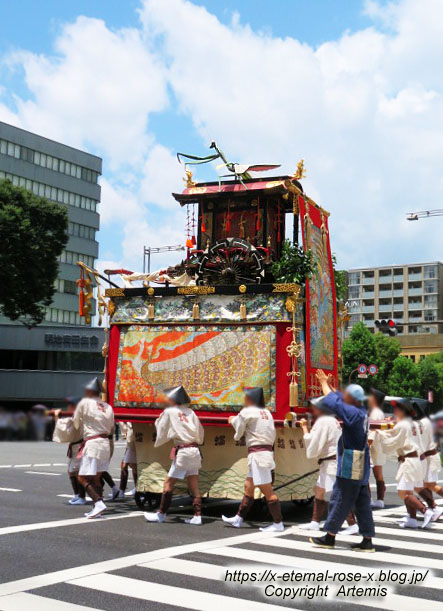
(228, 316)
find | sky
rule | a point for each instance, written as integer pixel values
(352, 86)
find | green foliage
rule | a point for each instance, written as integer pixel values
(358, 348)
(33, 233)
(431, 376)
(404, 380)
(387, 349)
(341, 284)
(294, 265)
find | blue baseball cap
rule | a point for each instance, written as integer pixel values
(356, 392)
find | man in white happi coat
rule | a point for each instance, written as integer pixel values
(256, 423)
(321, 444)
(429, 456)
(129, 461)
(94, 418)
(378, 457)
(401, 442)
(179, 423)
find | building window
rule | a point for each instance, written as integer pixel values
(47, 161)
(354, 277)
(430, 272)
(59, 195)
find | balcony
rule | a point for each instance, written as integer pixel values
(368, 309)
(385, 293)
(369, 323)
(385, 279)
(416, 291)
(398, 292)
(368, 295)
(415, 306)
(414, 319)
(368, 280)
(415, 276)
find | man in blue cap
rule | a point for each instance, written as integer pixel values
(350, 490)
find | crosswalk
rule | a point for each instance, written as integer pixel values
(193, 576)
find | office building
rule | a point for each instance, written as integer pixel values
(48, 362)
(411, 295)
(67, 176)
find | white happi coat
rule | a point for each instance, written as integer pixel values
(430, 463)
(399, 441)
(378, 457)
(65, 432)
(95, 417)
(128, 432)
(257, 425)
(181, 425)
(418, 434)
(321, 442)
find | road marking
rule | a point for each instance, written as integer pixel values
(47, 579)
(42, 473)
(404, 545)
(57, 464)
(69, 496)
(436, 526)
(9, 530)
(22, 466)
(22, 600)
(188, 567)
(5, 466)
(42, 464)
(427, 533)
(169, 595)
(388, 557)
(393, 602)
(11, 490)
(217, 572)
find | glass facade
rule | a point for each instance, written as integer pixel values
(47, 161)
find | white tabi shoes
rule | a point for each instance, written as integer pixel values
(408, 522)
(196, 520)
(274, 527)
(310, 526)
(438, 511)
(154, 517)
(236, 521)
(378, 504)
(429, 514)
(350, 530)
(77, 501)
(96, 511)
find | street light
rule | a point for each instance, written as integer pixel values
(148, 250)
(424, 214)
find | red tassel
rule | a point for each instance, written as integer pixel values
(193, 240)
(203, 225)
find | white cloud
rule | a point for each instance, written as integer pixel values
(365, 111)
(97, 90)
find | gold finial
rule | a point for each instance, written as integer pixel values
(301, 172)
(188, 180)
(269, 241)
(208, 243)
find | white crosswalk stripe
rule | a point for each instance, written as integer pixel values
(401, 551)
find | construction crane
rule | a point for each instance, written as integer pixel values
(424, 214)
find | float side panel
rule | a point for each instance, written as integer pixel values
(225, 467)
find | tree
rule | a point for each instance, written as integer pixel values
(341, 284)
(431, 376)
(358, 348)
(387, 349)
(294, 265)
(404, 380)
(33, 233)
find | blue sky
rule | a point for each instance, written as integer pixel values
(352, 86)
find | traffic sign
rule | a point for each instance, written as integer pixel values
(373, 370)
(362, 369)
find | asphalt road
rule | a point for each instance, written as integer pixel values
(54, 559)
